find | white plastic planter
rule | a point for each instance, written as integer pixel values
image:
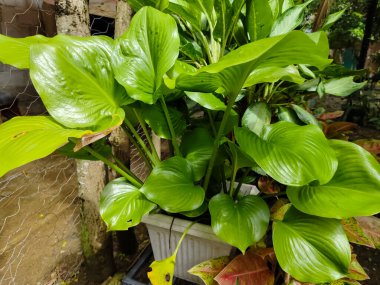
(200, 244)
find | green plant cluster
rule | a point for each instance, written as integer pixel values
(218, 79)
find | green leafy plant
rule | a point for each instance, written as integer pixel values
(223, 82)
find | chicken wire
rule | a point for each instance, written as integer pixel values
(39, 205)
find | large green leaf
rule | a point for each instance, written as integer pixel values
(197, 148)
(259, 19)
(343, 86)
(273, 74)
(145, 53)
(353, 191)
(289, 20)
(240, 223)
(311, 249)
(16, 51)
(24, 139)
(171, 186)
(256, 117)
(74, 78)
(122, 205)
(291, 154)
(230, 73)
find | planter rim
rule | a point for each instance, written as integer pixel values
(180, 225)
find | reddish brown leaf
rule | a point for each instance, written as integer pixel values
(249, 269)
(356, 271)
(335, 129)
(90, 138)
(345, 281)
(355, 233)
(209, 269)
(268, 186)
(371, 145)
(330, 115)
(371, 227)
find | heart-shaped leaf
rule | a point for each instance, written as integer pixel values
(310, 248)
(171, 186)
(250, 269)
(122, 205)
(207, 270)
(197, 147)
(75, 81)
(351, 192)
(240, 223)
(24, 139)
(145, 53)
(291, 154)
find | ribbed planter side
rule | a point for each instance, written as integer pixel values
(200, 244)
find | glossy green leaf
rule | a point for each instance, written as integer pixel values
(197, 147)
(154, 116)
(291, 154)
(122, 205)
(74, 78)
(288, 115)
(275, 6)
(145, 53)
(208, 269)
(342, 86)
(305, 116)
(311, 249)
(306, 71)
(351, 192)
(289, 20)
(207, 100)
(251, 268)
(162, 4)
(259, 19)
(240, 223)
(24, 139)
(229, 74)
(274, 73)
(256, 117)
(16, 51)
(171, 186)
(286, 5)
(331, 19)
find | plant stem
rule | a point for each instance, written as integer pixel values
(217, 141)
(171, 128)
(137, 146)
(123, 167)
(141, 142)
(148, 138)
(211, 122)
(112, 165)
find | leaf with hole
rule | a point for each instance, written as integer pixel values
(122, 205)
